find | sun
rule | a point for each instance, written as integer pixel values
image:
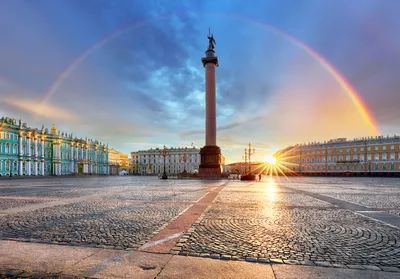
(270, 159)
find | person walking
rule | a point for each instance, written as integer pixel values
(259, 177)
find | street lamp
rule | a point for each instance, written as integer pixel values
(245, 163)
(248, 151)
(164, 154)
(247, 154)
(184, 158)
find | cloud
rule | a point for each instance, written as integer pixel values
(36, 107)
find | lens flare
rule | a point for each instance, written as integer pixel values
(270, 159)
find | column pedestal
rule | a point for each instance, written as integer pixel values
(210, 166)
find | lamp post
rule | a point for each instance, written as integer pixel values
(184, 162)
(164, 154)
(245, 163)
(369, 167)
(248, 151)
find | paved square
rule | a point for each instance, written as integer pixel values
(317, 221)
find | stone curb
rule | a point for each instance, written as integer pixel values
(288, 262)
(19, 273)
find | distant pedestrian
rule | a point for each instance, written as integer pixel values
(259, 177)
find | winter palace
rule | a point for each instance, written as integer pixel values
(29, 151)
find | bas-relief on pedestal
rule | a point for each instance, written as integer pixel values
(210, 166)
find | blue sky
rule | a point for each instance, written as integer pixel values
(145, 87)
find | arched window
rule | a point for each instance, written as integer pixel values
(8, 165)
(15, 149)
(7, 148)
(1, 147)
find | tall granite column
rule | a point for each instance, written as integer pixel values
(210, 166)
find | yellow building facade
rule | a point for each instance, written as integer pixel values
(361, 157)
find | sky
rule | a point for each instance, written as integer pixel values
(129, 73)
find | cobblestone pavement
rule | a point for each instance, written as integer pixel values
(10, 203)
(271, 221)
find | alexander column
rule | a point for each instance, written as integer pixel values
(210, 166)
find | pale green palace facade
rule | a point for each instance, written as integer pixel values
(25, 151)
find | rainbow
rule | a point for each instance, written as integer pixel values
(356, 99)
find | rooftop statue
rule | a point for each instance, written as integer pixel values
(211, 40)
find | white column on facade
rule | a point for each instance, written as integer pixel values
(42, 155)
(42, 167)
(95, 160)
(42, 148)
(20, 171)
(72, 159)
(35, 167)
(20, 167)
(28, 151)
(87, 160)
(35, 148)
(28, 165)
(20, 145)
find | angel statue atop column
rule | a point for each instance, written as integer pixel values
(211, 40)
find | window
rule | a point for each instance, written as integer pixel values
(355, 157)
(384, 147)
(369, 148)
(392, 167)
(384, 156)
(1, 148)
(347, 149)
(392, 154)
(8, 165)
(361, 148)
(341, 150)
(376, 147)
(376, 158)
(347, 157)
(7, 136)
(362, 157)
(355, 149)
(376, 167)
(7, 148)
(15, 149)
(392, 147)
(369, 157)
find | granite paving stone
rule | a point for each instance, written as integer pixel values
(273, 221)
